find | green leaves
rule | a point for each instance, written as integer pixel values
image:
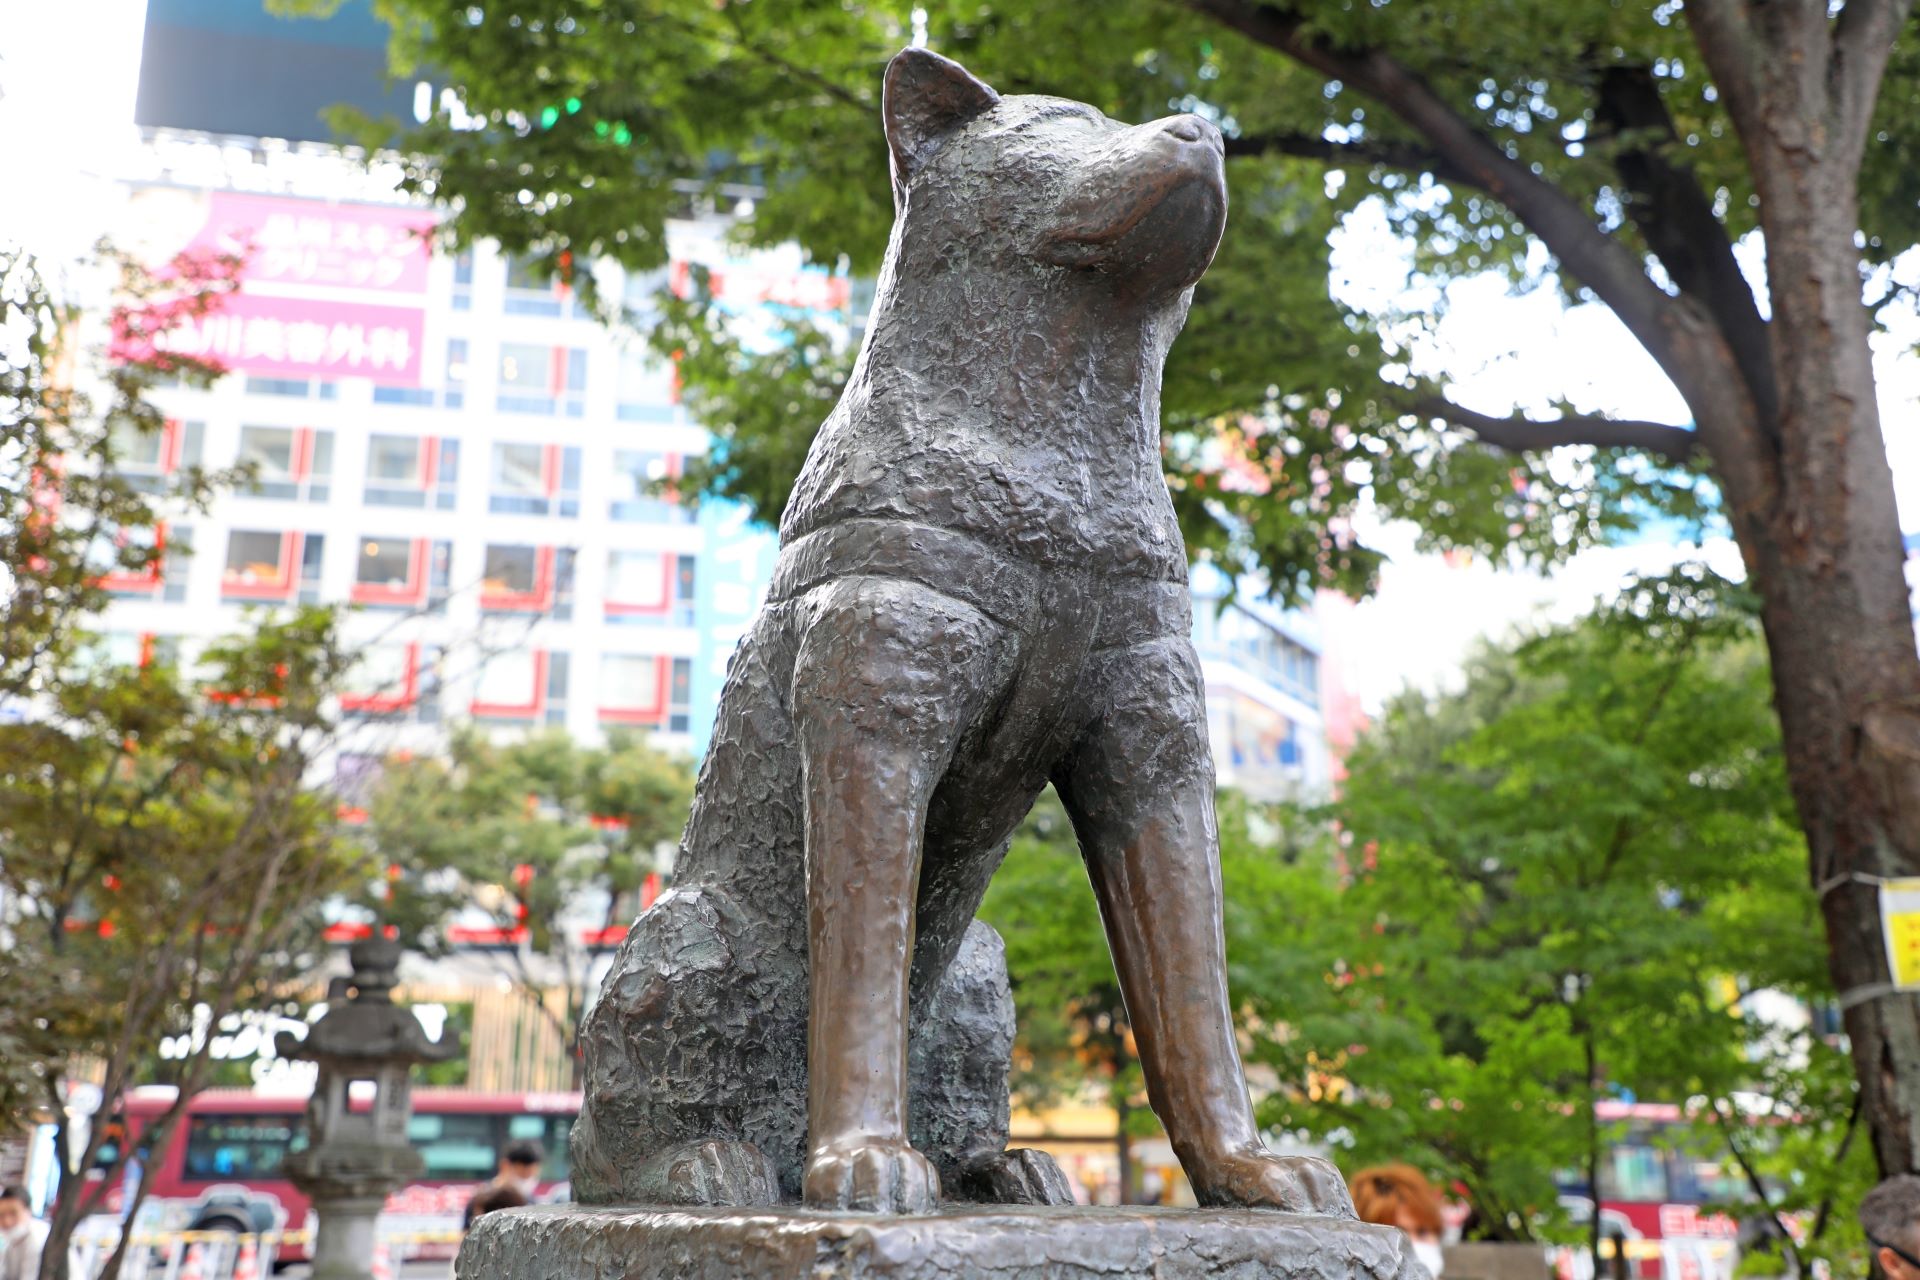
(1286, 411)
(526, 833)
(1552, 888)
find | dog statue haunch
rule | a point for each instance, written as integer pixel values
(981, 588)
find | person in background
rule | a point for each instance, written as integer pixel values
(1890, 1213)
(519, 1169)
(22, 1236)
(1399, 1195)
(495, 1195)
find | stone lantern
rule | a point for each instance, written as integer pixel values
(355, 1158)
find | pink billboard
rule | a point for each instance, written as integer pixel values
(304, 338)
(308, 242)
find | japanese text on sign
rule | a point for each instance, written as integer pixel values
(306, 242)
(300, 337)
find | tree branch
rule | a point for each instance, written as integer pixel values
(1671, 210)
(1522, 435)
(1863, 37)
(1596, 259)
(1758, 1186)
(1394, 155)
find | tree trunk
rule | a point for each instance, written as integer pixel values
(1824, 551)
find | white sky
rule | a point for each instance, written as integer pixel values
(68, 73)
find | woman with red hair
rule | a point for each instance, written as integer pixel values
(1399, 1195)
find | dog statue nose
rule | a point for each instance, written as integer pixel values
(1191, 129)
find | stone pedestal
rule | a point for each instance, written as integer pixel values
(571, 1242)
(345, 1238)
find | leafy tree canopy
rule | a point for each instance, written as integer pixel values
(585, 128)
(1561, 885)
(526, 832)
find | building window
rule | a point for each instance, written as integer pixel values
(526, 579)
(140, 649)
(452, 392)
(356, 777)
(649, 587)
(637, 474)
(298, 388)
(526, 685)
(394, 682)
(272, 565)
(1237, 637)
(402, 573)
(648, 389)
(653, 690)
(163, 575)
(412, 471)
(543, 380)
(463, 281)
(290, 463)
(535, 480)
(148, 460)
(531, 291)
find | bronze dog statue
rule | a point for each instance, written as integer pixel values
(981, 588)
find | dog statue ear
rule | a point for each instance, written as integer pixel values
(926, 98)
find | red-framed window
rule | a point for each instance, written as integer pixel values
(148, 460)
(535, 480)
(654, 690)
(356, 776)
(613, 935)
(452, 393)
(518, 578)
(273, 565)
(402, 573)
(396, 682)
(293, 464)
(163, 577)
(540, 379)
(140, 649)
(637, 495)
(647, 390)
(532, 291)
(522, 685)
(411, 471)
(649, 587)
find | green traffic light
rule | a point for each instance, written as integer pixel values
(602, 128)
(622, 134)
(548, 116)
(573, 105)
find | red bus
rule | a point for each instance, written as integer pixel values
(221, 1171)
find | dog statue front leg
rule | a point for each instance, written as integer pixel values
(887, 675)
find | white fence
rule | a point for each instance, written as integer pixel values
(224, 1255)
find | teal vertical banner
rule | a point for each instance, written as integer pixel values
(735, 567)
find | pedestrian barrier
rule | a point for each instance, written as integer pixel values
(226, 1255)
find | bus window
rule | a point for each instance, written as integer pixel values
(249, 1148)
(110, 1144)
(1635, 1172)
(1703, 1180)
(457, 1146)
(558, 1129)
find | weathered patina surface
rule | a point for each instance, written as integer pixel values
(981, 588)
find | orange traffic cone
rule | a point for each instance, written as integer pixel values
(190, 1265)
(247, 1265)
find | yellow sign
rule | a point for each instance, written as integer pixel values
(1900, 921)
